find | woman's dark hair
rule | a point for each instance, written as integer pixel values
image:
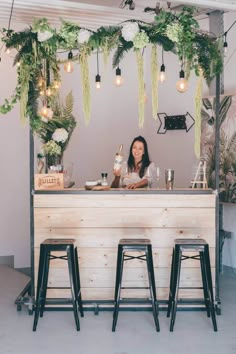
(145, 162)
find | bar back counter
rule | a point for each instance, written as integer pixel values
(99, 219)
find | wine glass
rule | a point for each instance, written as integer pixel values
(158, 174)
(149, 177)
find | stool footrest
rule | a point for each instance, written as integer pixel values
(135, 300)
(135, 287)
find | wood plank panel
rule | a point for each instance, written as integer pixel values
(124, 217)
(109, 237)
(106, 257)
(98, 200)
(105, 277)
(99, 221)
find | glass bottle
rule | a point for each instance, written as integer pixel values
(118, 159)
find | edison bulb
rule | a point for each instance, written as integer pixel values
(118, 81)
(98, 85)
(182, 85)
(162, 76)
(68, 67)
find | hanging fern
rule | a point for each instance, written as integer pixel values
(121, 50)
(141, 90)
(154, 77)
(85, 86)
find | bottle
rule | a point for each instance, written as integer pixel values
(104, 179)
(118, 159)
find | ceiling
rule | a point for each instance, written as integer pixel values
(96, 13)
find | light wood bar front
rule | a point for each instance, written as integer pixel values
(99, 219)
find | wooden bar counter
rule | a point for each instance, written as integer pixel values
(99, 219)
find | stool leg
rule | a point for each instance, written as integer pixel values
(78, 290)
(175, 287)
(204, 282)
(119, 272)
(72, 276)
(171, 284)
(39, 286)
(210, 286)
(45, 282)
(152, 286)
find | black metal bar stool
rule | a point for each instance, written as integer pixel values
(129, 246)
(71, 256)
(191, 245)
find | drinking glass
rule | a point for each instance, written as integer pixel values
(158, 175)
(149, 176)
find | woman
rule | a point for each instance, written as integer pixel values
(136, 172)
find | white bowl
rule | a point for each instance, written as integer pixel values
(91, 183)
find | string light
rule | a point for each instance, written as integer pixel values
(68, 66)
(162, 76)
(225, 43)
(97, 77)
(182, 83)
(118, 79)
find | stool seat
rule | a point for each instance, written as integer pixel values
(201, 247)
(128, 246)
(71, 256)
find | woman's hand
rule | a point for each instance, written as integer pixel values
(117, 173)
(131, 186)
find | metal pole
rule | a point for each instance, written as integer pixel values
(217, 170)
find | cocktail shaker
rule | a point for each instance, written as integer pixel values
(169, 178)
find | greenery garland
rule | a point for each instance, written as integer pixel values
(141, 88)
(154, 78)
(179, 33)
(85, 86)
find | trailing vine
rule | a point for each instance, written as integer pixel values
(40, 44)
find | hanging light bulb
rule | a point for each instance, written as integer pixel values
(97, 77)
(48, 92)
(44, 112)
(182, 83)
(118, 79)
(98, 81)
(8, 51)
(68, 66)
(225, 43)
(18, 64)
(56, 84)
(162, 76)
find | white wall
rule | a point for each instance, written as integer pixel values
(114, 120)
(14, 176)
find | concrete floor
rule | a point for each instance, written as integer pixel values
(135, 332)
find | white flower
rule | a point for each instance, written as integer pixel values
(129, 30)
(44, 36)
(60, 135)
(83, 36)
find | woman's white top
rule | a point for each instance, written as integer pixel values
(133, 177)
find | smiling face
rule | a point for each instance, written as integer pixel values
(138, 151)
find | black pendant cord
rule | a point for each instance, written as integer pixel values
(9, 23)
